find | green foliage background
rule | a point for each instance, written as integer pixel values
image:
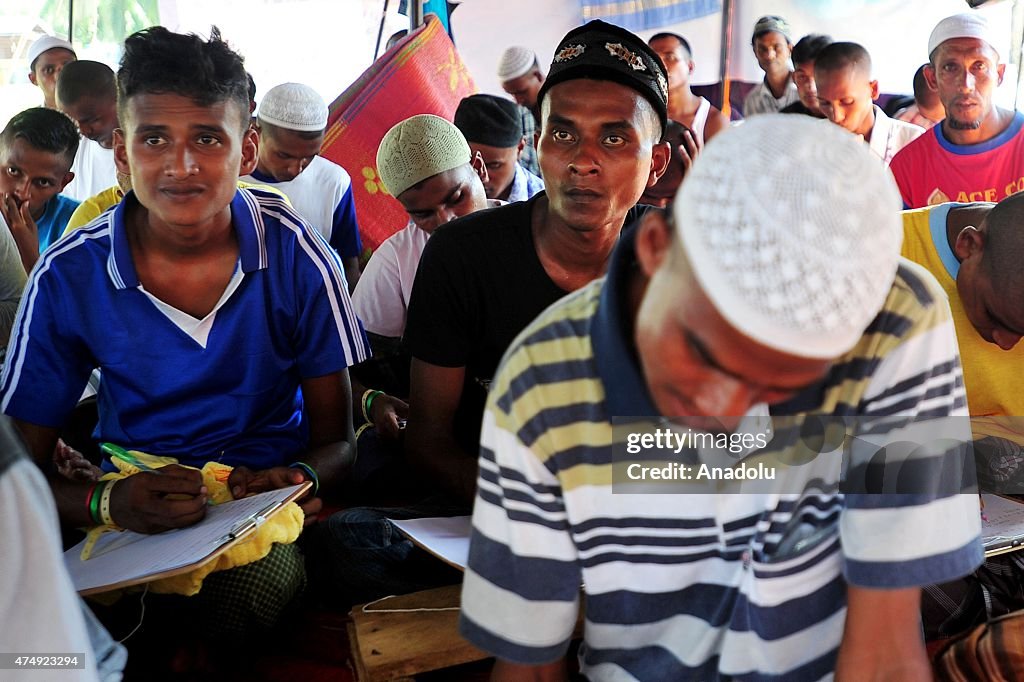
(100, 20)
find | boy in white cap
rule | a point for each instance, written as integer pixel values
(977, 153)
(705, 318)
(521, 77)
(773, 44)
(46, 57)
(291, 122)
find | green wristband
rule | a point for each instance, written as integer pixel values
(310, 472)
(94, 502)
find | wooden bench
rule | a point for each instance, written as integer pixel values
(390, 641)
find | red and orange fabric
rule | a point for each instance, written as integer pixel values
(422, 74)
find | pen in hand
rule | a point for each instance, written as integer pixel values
(120, 453)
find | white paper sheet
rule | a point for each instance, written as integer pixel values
(1004, 526)
(447, 538)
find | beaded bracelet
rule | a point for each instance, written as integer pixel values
(310, 474)
(368, 397)
(105, 505)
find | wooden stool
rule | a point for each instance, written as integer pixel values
(391, 641)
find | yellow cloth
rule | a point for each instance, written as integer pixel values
(91, 208)
(283, 527)
(991, 375)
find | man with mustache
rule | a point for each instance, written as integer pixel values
(977, 153)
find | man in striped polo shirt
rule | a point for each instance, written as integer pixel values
(780, 285)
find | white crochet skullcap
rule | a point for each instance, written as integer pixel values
(966, 25)
(293, 106)
(45, 43)
(418, 148)
(516, 62)
(793, 231)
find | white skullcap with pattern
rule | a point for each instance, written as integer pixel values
(418, 148)
(792, 228)
(293, 106)
(516, 62)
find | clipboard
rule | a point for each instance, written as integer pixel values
(125, 558)
(1003, 531)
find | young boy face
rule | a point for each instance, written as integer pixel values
(285, 153)
(846, 97)
(184, 158)
(47, 67)
(95, 116)
(32, 175)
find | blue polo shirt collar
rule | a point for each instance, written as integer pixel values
(617, 363)
(245, 218)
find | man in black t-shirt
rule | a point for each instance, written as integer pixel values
(484, 277)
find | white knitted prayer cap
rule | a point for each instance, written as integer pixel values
(418, 148)
(516, 62)
(44, 43)
(293, 106)
(966, 25)
(793, 231)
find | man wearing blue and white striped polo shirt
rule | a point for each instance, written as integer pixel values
(781, 285)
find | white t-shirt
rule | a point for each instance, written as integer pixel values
(381, 296)
(322, 194)
(890, 135)
(94, 171)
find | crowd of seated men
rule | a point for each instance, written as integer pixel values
(603, 257)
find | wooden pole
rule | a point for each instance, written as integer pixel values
(725, 61)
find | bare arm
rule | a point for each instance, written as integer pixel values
(351, 265)
(146, 502)
(513, 672)
(717, 121)
(430, 444)
(23, 228)
(328, 405)
(386, 411)
(328, 401)
(883, 638)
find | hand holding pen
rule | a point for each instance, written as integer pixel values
(156, 500)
